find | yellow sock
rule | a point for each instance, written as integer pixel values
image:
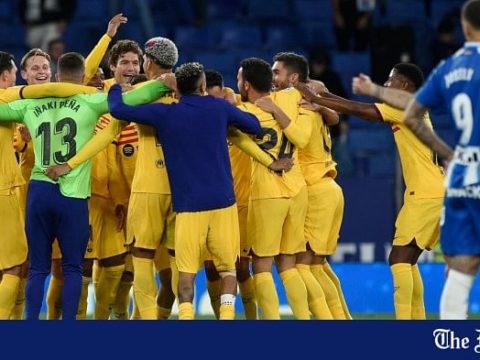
(54, 298)
(215, 291)
(249, 300)
(96, 271)
(82, 304)
(163, 313)
(418, 307)
(296, 293)
(122, 301)
(174, 269)
(8, 294)
(267, 296)
(135, 312)
(403, 290)
(106, 291)
(185, 311)
(145, 288)
(227, 312)
(316, 297)
(330, 291)
(17, 313)
(334, 278)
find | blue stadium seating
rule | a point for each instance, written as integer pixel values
(282, 38)
(221, 9)
(221, 61)
(318, 34)
(319, 10)
(93, 10)
(191, 37)
(441, 7)
(350, 64)
(271, 9)
(363, 140)
(406, 11)
(240, 36)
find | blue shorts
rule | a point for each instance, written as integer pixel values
(460, 226)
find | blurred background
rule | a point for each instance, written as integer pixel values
(341, 38)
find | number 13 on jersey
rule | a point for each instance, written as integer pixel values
(61, 136)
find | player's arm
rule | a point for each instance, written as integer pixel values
(415, 119)
(13, 111)
(242, 120)
(341, 105)
(93, 60)
(145, 114)
(363, 85)
(248, 146)
(56, 89)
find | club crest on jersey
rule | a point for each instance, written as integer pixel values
(160, 163)
(128, 150)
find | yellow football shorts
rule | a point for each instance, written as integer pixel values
(324, 216)
(13, 246)
(151, 219)
(419, 219)
(215, 231)
(276, 226)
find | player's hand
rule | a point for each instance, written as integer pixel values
(230, 97)
(121, 214)
(363, 85)
(25, 134)
(318, 87)
(307, 93)
(169, 80)
(266, 104)
(54, 172)
(115, 23)
(280, 165)
(304, 104)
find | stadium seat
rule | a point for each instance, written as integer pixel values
(406, 11)
(221, 9)
(221, 61)
(319, 10)
(382, 164)
(282, 38)
(272, 9)
(191, 37)
(90, 32)
(350, 64)
(318, 34)
(363, 140)
(240, 36)
(93, 10)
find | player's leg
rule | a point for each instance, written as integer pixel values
(246, 286)
(264, 227)
(165, 296)
(122, 300)
(293, 242)
(13, 252)
(113, 268)
(214, 286)
(87, 274)
(244, 276)
(223, 242)
(19, 308)
(55, 286)
(459, 240)
(40, 230)
(73, 234)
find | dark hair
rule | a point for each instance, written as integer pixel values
(214, 78)
(471, 13)
(31, 53)
(258, 73)
(137, 79)
(122, 47)
(6, 62)
(295, 63)
(71, 64)
(188, 76)
(412, 72)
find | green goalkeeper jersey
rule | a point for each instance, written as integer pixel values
(60, 127)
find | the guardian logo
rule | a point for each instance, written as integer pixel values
(445, 339)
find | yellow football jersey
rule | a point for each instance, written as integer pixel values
(316, 158)
(422, 175)
(126, 152)
(241, 170)
(150, 172)
(265, 184)
(100, 175)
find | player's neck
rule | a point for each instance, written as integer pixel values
(255, 95)
(157, 72)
